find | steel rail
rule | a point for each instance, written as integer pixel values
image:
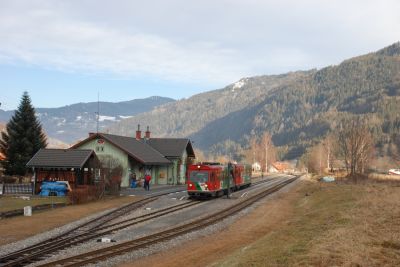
(104, 253)
(73, 240)
(78, 231)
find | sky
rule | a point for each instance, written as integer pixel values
(65, 52)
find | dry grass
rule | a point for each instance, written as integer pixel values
(21, 227)
(336, 225)
(8, 203)
(383, 177)
(372, 237)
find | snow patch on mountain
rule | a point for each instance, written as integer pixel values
(124, 117)
(107, 118)
(239, 84)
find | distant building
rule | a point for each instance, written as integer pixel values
(256, 166)
(164, 158)
(277, 167)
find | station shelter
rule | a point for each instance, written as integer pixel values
(79, 167)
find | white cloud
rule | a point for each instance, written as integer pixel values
(214, 42)
(46, 38)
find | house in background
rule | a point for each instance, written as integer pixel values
(277, 167)
(256, 167)
(165, 159)
(283, 167)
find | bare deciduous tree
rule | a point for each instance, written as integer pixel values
(112, 171)
(261, 150)
(316, 159)
(355, 144)
(266, 148)
(330, 146)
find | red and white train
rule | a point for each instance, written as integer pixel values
(213, 179)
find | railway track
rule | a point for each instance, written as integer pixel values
(88, 230)
(111, 251)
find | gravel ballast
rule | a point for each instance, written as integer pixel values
(148, 227)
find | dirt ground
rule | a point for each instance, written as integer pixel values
(263, 220)
(311, 224)
(314, 224)
(14, 229)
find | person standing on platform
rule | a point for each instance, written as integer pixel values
(147, 179)
(133, 181)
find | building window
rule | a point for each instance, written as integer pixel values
(99, 148)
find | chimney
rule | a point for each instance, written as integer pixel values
(138, 133)
(147, 133)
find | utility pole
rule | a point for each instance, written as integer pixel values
(329, 154)
(320, 159)
(266, 153)
(266, 158)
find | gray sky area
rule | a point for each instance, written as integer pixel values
(191, 45)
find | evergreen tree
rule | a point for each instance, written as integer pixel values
(22, 139)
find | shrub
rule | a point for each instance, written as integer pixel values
(8, 179)
(85, 193)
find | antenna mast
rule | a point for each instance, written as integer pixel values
(98, 111)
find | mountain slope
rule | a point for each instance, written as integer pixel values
(299, 113)
(186, 117)
(297, 108)
(73, 122)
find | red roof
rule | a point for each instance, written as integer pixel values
(280, 166)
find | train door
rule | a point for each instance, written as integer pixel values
(220, 179)
(238, 176)
(212, 180)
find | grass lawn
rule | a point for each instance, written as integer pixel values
(8, 203)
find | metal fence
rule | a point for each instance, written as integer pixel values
(15, 189)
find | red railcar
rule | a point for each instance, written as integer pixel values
(210, 179)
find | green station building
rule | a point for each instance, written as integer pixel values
(165, 159)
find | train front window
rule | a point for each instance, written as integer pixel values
(199, 176)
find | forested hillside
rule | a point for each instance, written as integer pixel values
(298, 113)
(296, 108)
(188, 116)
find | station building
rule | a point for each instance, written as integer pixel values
(165, 159)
